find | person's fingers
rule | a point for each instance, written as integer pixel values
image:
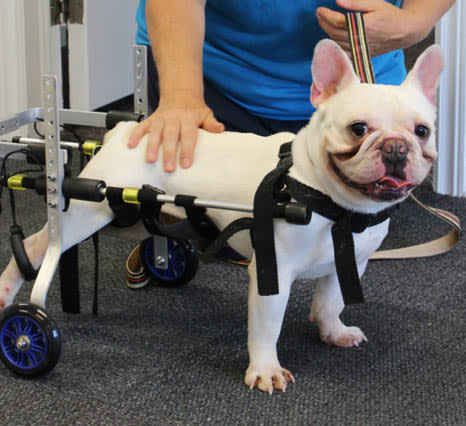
(153, 142)
(170, 139)
(189, 132)
(169, 127)
(334, 24)
(331, 18)
(358, 5)
(211, 124)
(139, 131)
(340, 36)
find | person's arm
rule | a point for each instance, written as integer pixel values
(176, 31)
(387, 27)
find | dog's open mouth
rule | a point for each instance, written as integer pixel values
(388, 188)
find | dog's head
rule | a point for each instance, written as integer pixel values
(377, 142)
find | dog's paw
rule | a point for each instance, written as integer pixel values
(343, 336)
(269, 378)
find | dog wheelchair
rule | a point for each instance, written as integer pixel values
(30, 343)
(29, 340)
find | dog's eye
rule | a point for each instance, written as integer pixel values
(359, 129)
(422, 131)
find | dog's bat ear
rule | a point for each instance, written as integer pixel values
(331, 71)
(426, 72)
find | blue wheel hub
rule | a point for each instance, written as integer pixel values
(23, 342)
(176, 261)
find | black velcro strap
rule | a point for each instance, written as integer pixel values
(234, 227)
(69, 281)
(114, 195)
(184, 200)
(125, 214)
(197, 216)
(202, 223)
(345, 263)
(263, 235)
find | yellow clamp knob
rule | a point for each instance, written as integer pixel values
(16, 182)
(130, 195)
(90, 146)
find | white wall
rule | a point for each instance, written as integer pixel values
(42, 48)
(101, 55)
(450, 174)
(13, 92)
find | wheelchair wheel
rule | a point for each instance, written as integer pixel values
(30, 344)
(183, 262)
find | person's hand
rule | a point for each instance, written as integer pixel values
(387, 27)
(175, 121)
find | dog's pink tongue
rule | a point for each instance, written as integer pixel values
(395, 183)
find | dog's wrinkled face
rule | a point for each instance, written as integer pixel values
(385, 148)
(378, 141)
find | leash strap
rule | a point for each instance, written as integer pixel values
(359, 48)
(363, 68)
(432, 248)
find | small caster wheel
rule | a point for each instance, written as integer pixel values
(30, 344)
(183, 262)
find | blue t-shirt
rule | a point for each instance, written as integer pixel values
(258, 53)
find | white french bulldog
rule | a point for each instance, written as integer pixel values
(366, 147)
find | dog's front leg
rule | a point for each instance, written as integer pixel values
(265, 317)
(326, 309)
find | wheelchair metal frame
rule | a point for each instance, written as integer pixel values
(55, 159)
(55, 156)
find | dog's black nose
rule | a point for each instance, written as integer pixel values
(395, 156)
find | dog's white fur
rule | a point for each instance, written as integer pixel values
(230, 167)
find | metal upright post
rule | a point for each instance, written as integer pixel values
(141, 105)
(141, 102)
(54, 158)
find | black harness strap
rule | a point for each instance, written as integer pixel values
(237, 225)
(197, 217)
(275, 194)
(346, 223)
(263, 235)
(345, 261)
(69, 281)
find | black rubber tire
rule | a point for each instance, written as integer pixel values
(30, 344)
